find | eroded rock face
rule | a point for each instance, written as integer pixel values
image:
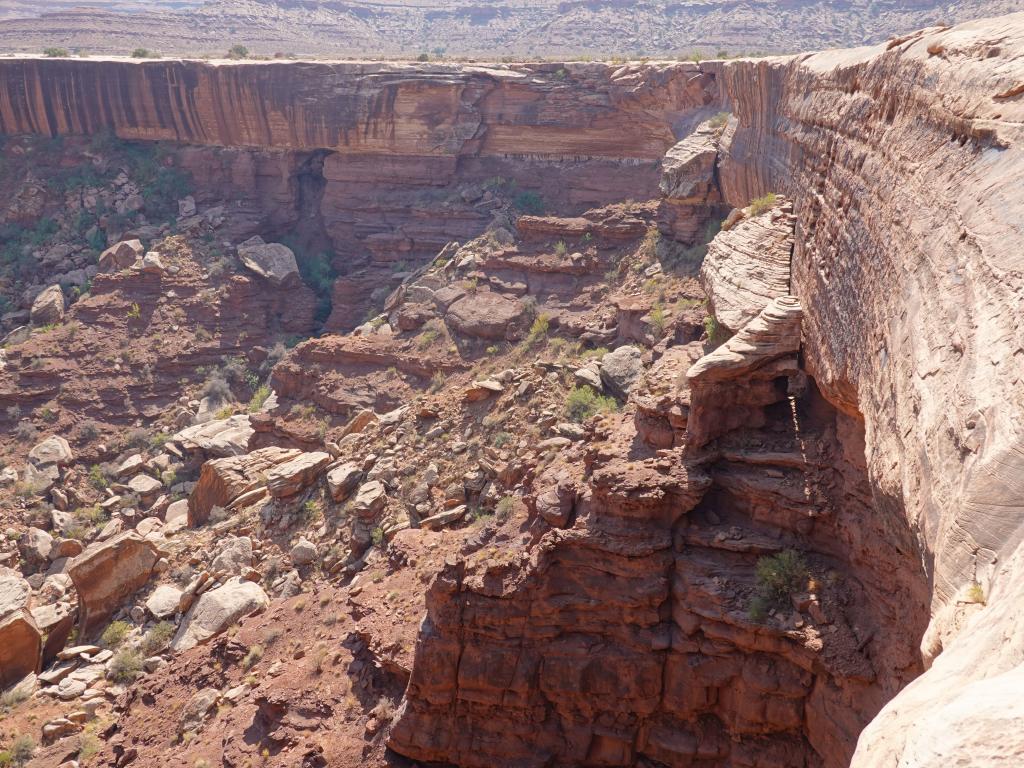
(106, 574)
(912, 323)
(272, 261)
(748, 266)
(221, 481)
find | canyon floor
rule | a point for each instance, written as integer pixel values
(577, 414)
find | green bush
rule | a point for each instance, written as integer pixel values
(125, 666)
(238, 52)
(762, 204)
(539, 329)
(529, 202)
(144, 53)
(157, 638)
(780, 575)
(56, 53)
(583, 402)
(115, 634)
(259, 397)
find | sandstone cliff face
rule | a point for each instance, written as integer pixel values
(381, 164)
(905, 163)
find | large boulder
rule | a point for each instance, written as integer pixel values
(487, 315)
(20, 640)
(290, 477)
(48, 307)
(621, 370)
(217, 439)
(120, 255)
(53, 451)
(221, 481)
(21, 647)
(273, 261)
(107, 573)
(370, 500)
(343, 479)
(217, 610)
(164, 601)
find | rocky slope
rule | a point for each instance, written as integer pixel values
(550, 28)
(604, 486)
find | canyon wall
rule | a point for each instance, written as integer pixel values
(381, 165)
(624, 636)
(905, 162)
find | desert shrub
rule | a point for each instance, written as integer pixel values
(259, 397)
(20, 752)
(583, 402)
(976, 594)
(25, 432)
(504, 507)
(89, 430)
(13, 412)
(88, 747)
(377, 536)
(658, 320)
(253, 657)
(437, 381)
(125, 666)
(423, 57)
(114, 634)
(780, 575)
(12, 698)
(157, 638)
(98, 478)
(502, 439)
(238, 52)
(719, 120)
(762, 204)
(529, 202)
(56, 53)
(144, 53)
(216, 387)
(561, 248)
(538, 330)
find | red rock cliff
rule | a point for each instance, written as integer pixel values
(906, 165)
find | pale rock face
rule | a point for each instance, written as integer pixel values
(217, 610)
(303, 553)
(224, 437)
(748, 265)
(164, 601)
(273, 261)
(487, 315)
(912, 307)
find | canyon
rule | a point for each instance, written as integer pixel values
(640, 414)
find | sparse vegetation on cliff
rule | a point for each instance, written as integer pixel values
(583, 402)
(777, 576)
(762, 204)
(238, 52)
(56, 53)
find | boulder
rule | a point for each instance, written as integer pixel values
(343, 479)
(621, 370)
(235, 555)
(48, 307)
(481, 390)
(272, 261)
(53, 451)
(303, 553)
(164, 601)
(145, 486)
(34, 546)
(370, 500)
(14, 591)
(130, 466)
(221, 481)
(290, 477)
(217, 439)
(20, 648)
(442, 519)
(120, 255)
(107, 573)
(217, 610)
(487, 315)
